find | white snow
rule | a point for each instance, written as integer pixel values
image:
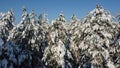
(60, 42)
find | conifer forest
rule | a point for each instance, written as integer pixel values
(36, 42)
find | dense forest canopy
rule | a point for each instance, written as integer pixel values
(91, 42)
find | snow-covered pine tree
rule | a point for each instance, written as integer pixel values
(8, 51)
(75, 32)
(56, 54)
(30, 38)
(6, 24)
(94, 38)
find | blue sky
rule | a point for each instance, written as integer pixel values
(54, 7)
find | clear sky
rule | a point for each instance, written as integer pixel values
(54, 7)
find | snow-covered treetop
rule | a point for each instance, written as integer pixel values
(32, 14)
(25, 14)
(6, 20)
(45, 16)
(9, 16)
(74, 17)
(61, 17)
(99, 14)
